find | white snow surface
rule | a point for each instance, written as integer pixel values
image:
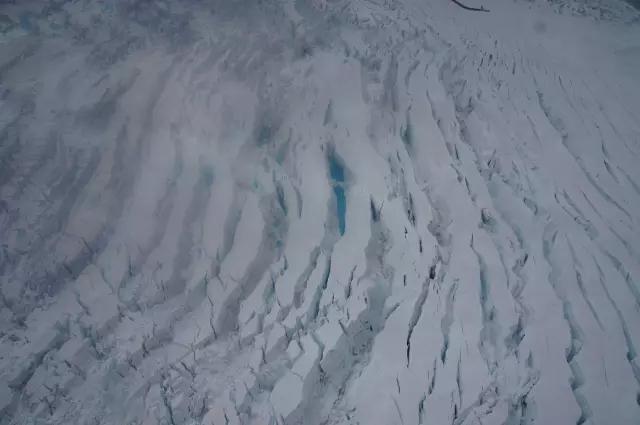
(371, 212)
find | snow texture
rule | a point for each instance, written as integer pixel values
(319, 212)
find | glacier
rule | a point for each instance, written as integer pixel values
(374, 212)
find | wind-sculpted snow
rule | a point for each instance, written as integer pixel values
(319, 212)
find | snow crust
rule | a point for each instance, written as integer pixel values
(319, 212)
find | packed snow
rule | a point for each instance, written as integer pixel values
(317, 212)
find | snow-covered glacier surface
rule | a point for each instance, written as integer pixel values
(319, 212)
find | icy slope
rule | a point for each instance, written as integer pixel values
(319, 212)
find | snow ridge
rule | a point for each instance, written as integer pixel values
(319, 212)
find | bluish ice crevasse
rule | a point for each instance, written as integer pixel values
(335, 168)
(341, 202)
(336, 171)
(25, 22)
